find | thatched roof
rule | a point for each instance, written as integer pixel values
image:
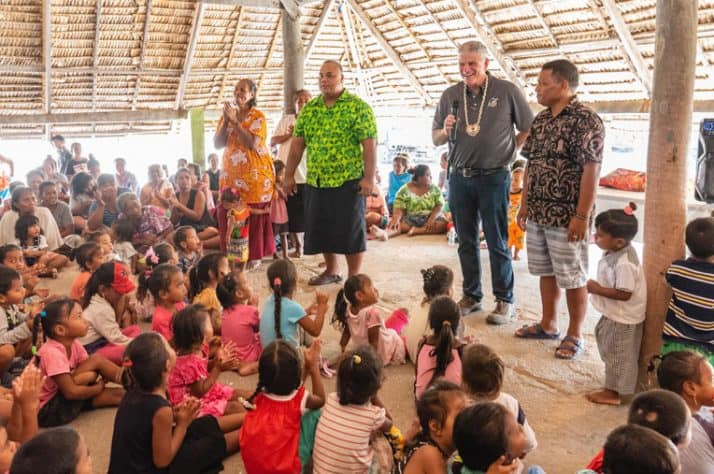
(171, 55)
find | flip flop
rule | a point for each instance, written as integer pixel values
(324, 279)
(571, 347)
(535, 331)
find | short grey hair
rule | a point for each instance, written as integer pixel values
(123, 200)
(474, 47)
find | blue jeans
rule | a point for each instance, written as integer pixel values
(483, 199)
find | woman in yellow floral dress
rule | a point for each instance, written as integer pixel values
(247, 167)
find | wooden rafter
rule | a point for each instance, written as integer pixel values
(236, 34)
(47, 53)
(193, 41)
(544, 24)
(706, 64)
(473, 15)
(415, 39)
(142, 53)
(271, 50)
(318, 28)
(631, 49)
(354, 52)
(95, 52)
(436, 22)
(391, 53)
(95, 117)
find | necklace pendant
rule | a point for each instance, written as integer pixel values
(473, 129)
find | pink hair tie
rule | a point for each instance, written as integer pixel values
(277, 282)
(628, 211)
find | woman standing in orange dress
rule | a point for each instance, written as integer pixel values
(247, 167)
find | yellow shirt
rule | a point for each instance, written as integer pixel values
(209, 299)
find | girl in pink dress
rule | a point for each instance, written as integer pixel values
(359, 319)
(439, 354)
(195, 374)
(240, 321)
(279, 209)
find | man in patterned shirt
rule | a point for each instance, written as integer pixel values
(564, 152)
(339, 131)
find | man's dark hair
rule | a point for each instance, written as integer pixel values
(563, 70)
(634, 449)
(57, 138)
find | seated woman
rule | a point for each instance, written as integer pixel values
(49, 168)
(23, 203)
(103, 211)
(158, 190)
(34, 179)
(417, 206)
(151, 224)
(188, 207)
(83, 188)
(376, 215)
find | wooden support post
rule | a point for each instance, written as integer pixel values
(198, 132)
(294, 60)
(670, 122)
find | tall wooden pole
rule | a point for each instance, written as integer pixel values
(294, 60)
(670, 123)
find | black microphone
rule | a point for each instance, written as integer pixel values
(454, 112)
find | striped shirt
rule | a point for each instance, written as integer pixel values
(690, 315)
(342, 437)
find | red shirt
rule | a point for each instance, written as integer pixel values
(161, 322)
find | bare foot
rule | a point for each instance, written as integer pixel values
(516, 257)
(604, 397)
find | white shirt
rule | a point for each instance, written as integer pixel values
(102, 323)
(698, 456)
(284, 148)
(47, 224)
(622, 270)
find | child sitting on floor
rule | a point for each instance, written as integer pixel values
(64, 449)
(72, 382)
(359, 320)
(167, 287)
(660, 410)
(482, 379)
(123, 231)
(34, 247)
(281, 315)
(11, 256)
(277, 407)
(188, 246)
(398, 177)
(89, 257)
(149, 434)
(691, 310)
(15, 326)
(488, 437)
(439, 354)
(438, 281)
(620, 295)
(204, 278)
(195, 374)
(689, 374)
(104, 298)
(355, 405)
(103, 238)
(429, 451)
(633, 449)
(155, 256)
(240, 321)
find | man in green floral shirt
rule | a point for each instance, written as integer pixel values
(340, 133)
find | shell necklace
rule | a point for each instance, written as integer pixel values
(473, 128)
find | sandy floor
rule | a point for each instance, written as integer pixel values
(569, 429)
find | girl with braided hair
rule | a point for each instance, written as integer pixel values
(276, 408)
(281, 315)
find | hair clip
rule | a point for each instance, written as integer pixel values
(234, 191)
(277, 281)
(446, 323)
(356, 359)
(151, 256)
(127, 363)
(147, 273)
(628, 211)
(43, 314)
(34, 350)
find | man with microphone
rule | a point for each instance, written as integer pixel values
(479, 118)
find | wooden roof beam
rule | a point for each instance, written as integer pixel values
(271, 50)
(142, 54)
(95, 53)
(390, 51)
(473, 15)
(156, 115)
(632, 50)
(193, 40)
(47, 53)
(318, 28)
(231, 52)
